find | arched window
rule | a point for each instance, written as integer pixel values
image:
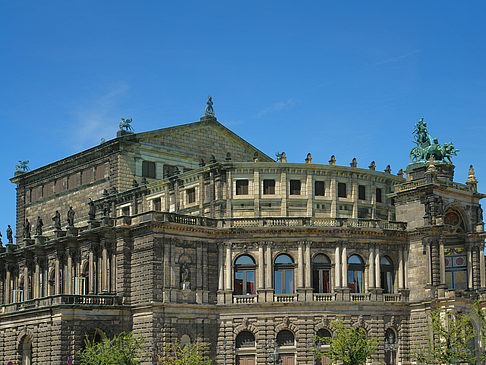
(185, 340)
(323, 340)
(245, 339)
(26, 351)
(455, 267)
(321, 266)
(244, 281)
(390, 347)
(355, 274)
(285, 338)
(386, 272)
(284, 274)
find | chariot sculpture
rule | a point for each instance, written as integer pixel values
(427, 147)
(125, 124)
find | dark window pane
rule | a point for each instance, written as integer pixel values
(278, 282)
(268, 187)
(341, 190)
(294, 187)
(191, 195)
(148, 169)
(361, 192)
(379, 198)
(319, 188)
(241, 187)
(316, 281)
(157, 205)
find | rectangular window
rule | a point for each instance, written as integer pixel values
(126, 211)
(59, 185)
(73, 181)
(157, 205)
(87, 176)
(191, 195)
(268, 187)
(241, 187)
(379, 197)
(319, 188)
(341, 190)
(100, 172)
(148, 169)
(361, 192)
(295, 187)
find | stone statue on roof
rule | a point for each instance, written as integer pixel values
(209, 112)
(22, 166)
(125, 124)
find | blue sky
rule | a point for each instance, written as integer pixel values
(347, 78)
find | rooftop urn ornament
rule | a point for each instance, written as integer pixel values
(472, 182)
(202, 163)
(228, 156)
(427, 146)
(372, 165)
(388, 169)
(332, 161)
(431, 172)
(212, 159)
(354, 163)
(209, 112)
(281, 157)
(134, 184)
(22, 166)
(400, 173)
(308, 159)
(125, 124)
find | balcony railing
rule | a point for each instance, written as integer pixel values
(62, 299)
(391, 297)
(359, 297)
(244, 299)
(325, 297)
(285, 298)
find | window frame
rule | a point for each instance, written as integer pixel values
(265, 187)
(149, 169)
(355, 268)
(293, 189)
(320, 182)
(240, 189)
(340, 192)
(320, 268)
(244, 269)
(283, 269)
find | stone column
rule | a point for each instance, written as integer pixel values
(69, 272)
(229, 193)
(261, 267)
(344, 260)
(167, 198)
(256, 192)
(482, 279)
(104, 270)
(7, 286)
(91, 272)
(269, 267)
(400, 269)
(442, 262)
(309, 188)
(228, 267)
(26, 283)
(308, 266)
(377, 267)
(300, 276)
(283, 193)
(354, 196)
(405, 267)
(37, 279)
(371, 260)
(333, 197)
(428, 263)
(57, 279)
(220, 266)
(337, 268)
(469, 268)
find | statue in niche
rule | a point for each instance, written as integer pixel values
(92, 210)
(9, 234)
(27, 228)
(185, 276)
(70, 217)
(57, 220)
(38, 227)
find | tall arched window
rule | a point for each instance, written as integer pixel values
(245, 348)
(245, 339)
(355, 274)
(455, 267)
(26, 351)
(323, 342)
(244, 282)
(386, 272)
(284, 274)
(321, 266)
(285, 338)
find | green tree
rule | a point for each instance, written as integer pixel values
(123, 349)
(348, 345)
(189, 354)
(450, 341)
(481, 319)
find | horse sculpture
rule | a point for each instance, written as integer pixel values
(125, 124)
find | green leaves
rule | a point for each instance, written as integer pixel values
(190, 354)
(348, 345)
(451, 339)
(123, 349)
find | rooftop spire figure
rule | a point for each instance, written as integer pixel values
(209, 112)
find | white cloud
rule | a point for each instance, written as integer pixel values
(98, 119)
(276, 107)
(398, 58)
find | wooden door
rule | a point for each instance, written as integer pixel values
(323, 361)
(287, 359)
(245, 360)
